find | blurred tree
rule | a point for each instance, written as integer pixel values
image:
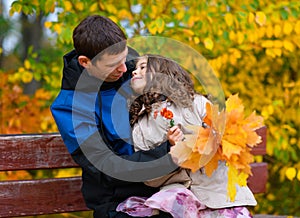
(5, 26)
(32, 36)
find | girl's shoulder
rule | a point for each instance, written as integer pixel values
(200, 101)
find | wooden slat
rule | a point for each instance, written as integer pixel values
(257, 182)
(44, 151)
(260, 149)
(46, 196)
(41, 151)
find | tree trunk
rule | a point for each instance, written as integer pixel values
(32, 35)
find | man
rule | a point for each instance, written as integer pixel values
(93, 75)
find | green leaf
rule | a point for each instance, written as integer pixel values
(16, 7)
(284, 14)
(226, 35)
(294, 13)
(26, 10)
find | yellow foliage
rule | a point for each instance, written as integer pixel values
(94, 7)
(124, 14)
(160, 24)
(196, 40)
(152, 27)
(232, 35)
(290, 173)
(48, 24)
(154, 11)
(297, 27)
(208, 43)
(111, 9)
(287, 28)
(235, 177)
(277, 30)
(180, 14)
(68, 5)
(269, 31)
(229, 19)
(79, 6)
(63, 173)
(26, 77)
(251, 17)
(267, 44)
(57, 28)
(288, 45)
(240, 37)
(277, 44)
(260, 18)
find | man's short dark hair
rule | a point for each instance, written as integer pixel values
(96, 33)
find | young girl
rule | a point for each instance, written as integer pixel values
(162, 85)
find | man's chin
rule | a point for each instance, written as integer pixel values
(114, 78)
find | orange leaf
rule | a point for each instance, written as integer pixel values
(254, 121)
(208, 118)
(212, 165)
(229, 148)
(193, 162)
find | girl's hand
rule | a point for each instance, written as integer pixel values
(174, 135)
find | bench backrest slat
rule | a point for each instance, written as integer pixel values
(24, 152)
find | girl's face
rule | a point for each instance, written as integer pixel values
(139, 81)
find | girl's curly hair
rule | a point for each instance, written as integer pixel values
(166, 80)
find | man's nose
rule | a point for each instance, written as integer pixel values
(122, 68)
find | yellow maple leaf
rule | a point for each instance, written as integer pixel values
(234, 103)
(253, 139)
(193, 162)
(254, 121)
(232, 181)
(229, 148)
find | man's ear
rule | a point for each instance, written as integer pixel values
(84, 61)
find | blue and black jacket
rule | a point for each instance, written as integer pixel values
(82, 111)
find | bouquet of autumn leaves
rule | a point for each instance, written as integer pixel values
(226, 135)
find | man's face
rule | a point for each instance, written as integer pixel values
(109, 68)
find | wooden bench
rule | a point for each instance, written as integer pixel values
(60, 195)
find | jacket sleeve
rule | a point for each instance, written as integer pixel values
(77, 125)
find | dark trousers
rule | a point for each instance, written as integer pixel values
(103, 198)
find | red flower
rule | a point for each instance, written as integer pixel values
(166, 113)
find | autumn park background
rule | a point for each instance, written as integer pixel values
(253, 46)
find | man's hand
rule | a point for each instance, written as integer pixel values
(174, 135)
